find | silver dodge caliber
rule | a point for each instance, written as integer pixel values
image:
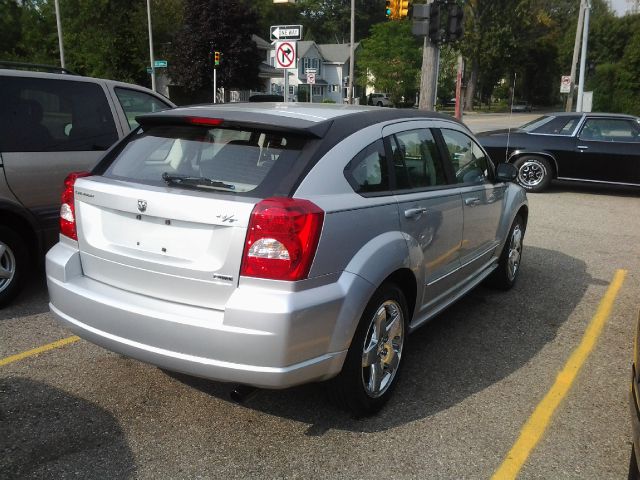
(271, 245)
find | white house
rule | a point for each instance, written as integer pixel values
(331, 63)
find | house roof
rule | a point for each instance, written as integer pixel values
(261, 43)
(304, 46)
(336, 52)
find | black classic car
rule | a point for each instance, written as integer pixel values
(588, 147)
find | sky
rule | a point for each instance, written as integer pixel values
(620, 6)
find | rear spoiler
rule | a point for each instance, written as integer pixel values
(237, 119)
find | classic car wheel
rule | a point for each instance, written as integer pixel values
(505, 275)
(370, 371)
(13, 263)
(534, 173)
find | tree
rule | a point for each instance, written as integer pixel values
(390, 60)
(221, 25)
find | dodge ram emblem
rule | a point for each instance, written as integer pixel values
(142, 205)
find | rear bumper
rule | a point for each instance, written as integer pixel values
(270, 339)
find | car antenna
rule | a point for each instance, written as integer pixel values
(513, 95)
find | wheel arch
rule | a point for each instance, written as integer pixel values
(522, 153)
(18, 220)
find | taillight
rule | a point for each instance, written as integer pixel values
(67, 209)
(282, 238)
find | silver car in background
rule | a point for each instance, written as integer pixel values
(272, 245)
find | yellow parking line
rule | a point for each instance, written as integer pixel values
(537, 423)
(36, 351)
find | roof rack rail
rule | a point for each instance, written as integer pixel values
(35, 66)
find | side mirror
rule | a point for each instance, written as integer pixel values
(506, 172)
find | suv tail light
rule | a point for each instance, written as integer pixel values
(67, 209)
(282, 238)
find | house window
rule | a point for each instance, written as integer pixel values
(317, 90)
(311, 63)
(335, 88)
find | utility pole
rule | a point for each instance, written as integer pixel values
(429, 72)
(574, 61)
(153, 67)
(351, 52)
(583, 54)
(59, 25)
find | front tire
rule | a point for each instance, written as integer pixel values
(370, 371)
(505, 275)
(13, 264)
(534, 173)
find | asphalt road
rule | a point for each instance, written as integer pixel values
(472, 378)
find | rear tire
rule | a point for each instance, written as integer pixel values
(14, 263)
(534, 173)
(505, 275)
(379, 104)
(371, 370)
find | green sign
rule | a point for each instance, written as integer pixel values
(160, 64)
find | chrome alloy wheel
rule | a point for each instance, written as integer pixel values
(531, 173)
(382, 349)
(515, 252)
(7, 266)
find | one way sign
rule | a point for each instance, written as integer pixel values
(285, 55)
(286, 32)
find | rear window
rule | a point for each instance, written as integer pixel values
(220, 159)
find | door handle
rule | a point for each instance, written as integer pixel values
(472, 201)
(414, 212)
(582, 147)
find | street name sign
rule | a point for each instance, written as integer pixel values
(286, 32)
(160, 64)
(285, 55)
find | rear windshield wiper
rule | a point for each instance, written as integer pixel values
(195, 181)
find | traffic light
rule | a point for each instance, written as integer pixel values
(216, 58)
(391, 9)
(435, 32)
(455, 23)
(403, 8)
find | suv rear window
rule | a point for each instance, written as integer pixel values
(220, 159)
(45, 115)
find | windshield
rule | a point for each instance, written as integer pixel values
(223, 159)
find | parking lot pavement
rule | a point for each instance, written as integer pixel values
(471, 380)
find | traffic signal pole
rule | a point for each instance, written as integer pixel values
(428, 73)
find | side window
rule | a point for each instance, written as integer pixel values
(136, 103)
(470, 164)
(44, 115)
(415, 160)
(368, 172)
(610, 130)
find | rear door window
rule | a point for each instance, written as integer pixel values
(45, 115)
(136, 103)
(416, 162)
(221, 159)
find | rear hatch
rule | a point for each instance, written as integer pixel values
(168, 215)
